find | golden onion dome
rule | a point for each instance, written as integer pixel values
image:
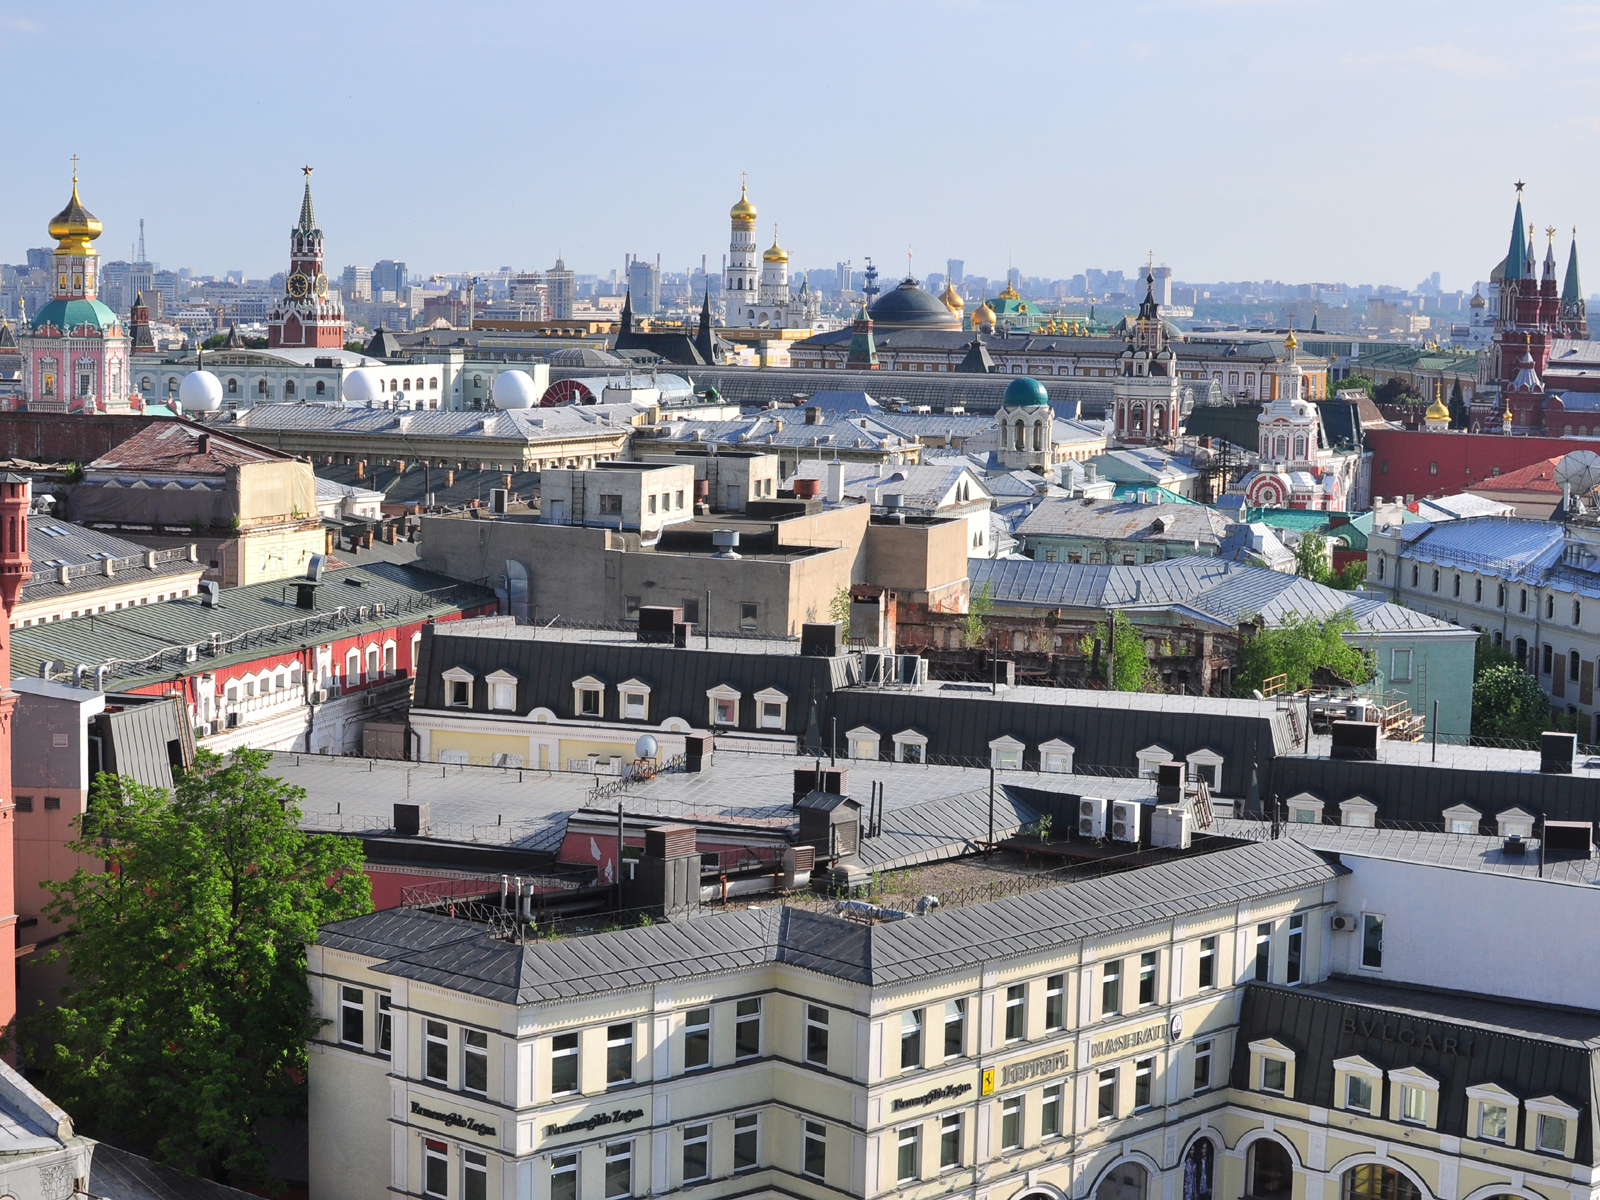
(982, 315)
(74, 227)
(951, 298)
(1437, 411)
(775, 252)
(743, 210)
(1289, 342)
(1010, 293)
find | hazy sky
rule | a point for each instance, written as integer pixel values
(1363, 142)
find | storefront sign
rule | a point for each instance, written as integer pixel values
(454, 1120)
(1033, 1068)
(617, 1116)
(1428, 1039)
(948, 1092)
(1128, 1041)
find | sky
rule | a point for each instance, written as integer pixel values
(1353, 141)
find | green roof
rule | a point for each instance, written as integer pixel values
(1130, 491)
(1572, 290)
(1023, 391)
(67, 315)
(1516, 254)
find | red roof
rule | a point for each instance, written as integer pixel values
(182, 448)
(1536, 479)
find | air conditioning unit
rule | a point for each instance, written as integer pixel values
(370, 700)
(233, 720)
(1344, 923)
(1091, 817)
(1125, 820)
(912, 668)
(872, 668)
(1171, 827)
(320, 696)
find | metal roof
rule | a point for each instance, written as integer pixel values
(175, 448)
(55, 544)
(1126, 521)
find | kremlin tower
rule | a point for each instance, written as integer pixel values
(305, 317)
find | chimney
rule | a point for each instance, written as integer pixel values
(813, 415)
(836, 482)
(361, 469)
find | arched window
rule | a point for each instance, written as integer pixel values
(1299, 449)
(1021, 440)
(1522, 653)
(322, 387)
(374, 664)
(1268, 1172)
(433, 383)
(1374, 1181)
(1549, 608)
(172, 386)
(1138, 418)
(1158, 420)
(406, 386)
(1198, 1168)
(261, 387)
(1283, 447)
(1577, 612)
(477, 381)
(233, 387)
(1125, 1181)
(1266, 445)
(352, 668)
(288, 388)
(145, 384)
(1038, 435)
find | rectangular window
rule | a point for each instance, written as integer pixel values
(619, 1054)
(950, 1142)
(475, 1061)
(1400, 667)
(747, 1029)
(652, 502)
(636, 706)
(815, 1159)
(1011, 1123)
(1111, 989)
(746, 1138)
(630, 607)
(619, 1170)
(677, 499)
(955, 1028)
(911, 1040)
(564, 1177)
(385, 1025)
(1552, 1134)
(1492, 1122)
(1274, 1074)
(1016, 1025)
(747, 614)
(697, 1039)
(1055, 1002)
(435, 1168)
(1296, 948)
(588, 702)
(474, 1175)
(1208, 962)
(1144, 1071)
(696, 1152)
(1372, 941)
(908, 1160)
(352, 1016)
(564, 1064)
(727, 712)
(1202, 1066)
(436, 1051)
(1358, 1093)
(610, 505)
(1107, 1099)
(1147, 978)
(1050, 1112)
(1263, 952)
(1413, 1105)
(816, 1035)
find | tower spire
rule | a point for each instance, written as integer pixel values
(308, 218)
(1516, 254)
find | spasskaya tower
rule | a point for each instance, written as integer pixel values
(306, 316)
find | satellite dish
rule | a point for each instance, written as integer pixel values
(1578, 473)
(646, 746)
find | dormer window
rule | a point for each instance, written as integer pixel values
(588, 697)
(457, 687)
(635, 700)
(1413, 1097)
(724, 706)
(772, 709)
(1552, 1126)
(502, 691)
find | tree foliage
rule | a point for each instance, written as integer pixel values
(1350, 576)
(1296, 648)
(1397, 391)
(1311, 558)
(185, 1030)
(1507, 702)
(839, 610)
(978, 608)
(1131, 670)
(1458, 407)
(1354, 383)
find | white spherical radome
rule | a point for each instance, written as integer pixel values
(200, 391)
(361, 386)
(515, 389)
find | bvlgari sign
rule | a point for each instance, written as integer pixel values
(454, 1120)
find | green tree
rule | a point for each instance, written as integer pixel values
(1130, 658)
(977, 628)
(356, 347)
(1296, 648)
(215, 341)
(1354, 383)
(839, 610)
(1397, 391)
(1486, 654)
(1311, 559)
(1350, 576)
(1458, 407)
(1507, 702)
(185, 1030)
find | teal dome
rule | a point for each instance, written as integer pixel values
(67, 315)
(1023, 391)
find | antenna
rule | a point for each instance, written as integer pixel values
(1578, 473)
(141, 240)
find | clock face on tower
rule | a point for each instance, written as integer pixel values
(299, 285)
(322, 284)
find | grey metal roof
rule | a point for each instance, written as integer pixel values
(54, 544)
(757, 387)
(1513, 547)
(530, 425)
(1126, 521)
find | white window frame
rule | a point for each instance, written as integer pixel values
(910, 737)
(1408, 1081)
(1150, 758)
(772, 696)
(725, 693)
(359, 1005)
(1358, 812)
(864, 742)
(630, 690)
(1371, 1072)
(1304, 809)
(1055, 756)
(1270, 1049)
(1490, 1095)
(1552, 1107)
(1394, 664)
(498, 681)
(701, 1137)
(1005, 753)
(1207, 764)
(588, 684)
(453, 676)
(1514, 822)
(1462, 819)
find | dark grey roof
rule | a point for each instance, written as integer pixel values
(118, 1175)
(54, 544)
(1530, 1050)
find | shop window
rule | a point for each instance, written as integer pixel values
(1199, 1168)
(1269, 1171)
(1374, 1181)
(1125, 1181)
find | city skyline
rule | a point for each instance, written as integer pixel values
(1187, 129)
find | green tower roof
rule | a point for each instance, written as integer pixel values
(1517, 255)
(1023, 391)
(1572, 290)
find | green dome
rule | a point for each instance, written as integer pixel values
(1024, 391)
(67, 315)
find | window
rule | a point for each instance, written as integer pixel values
(619, 1170)
(436, 1051)
(1055, 1002)
(1016, 1026)
(1297, 938)
(1202, 1066)
(1549, 607)
(1106, 1106)
(816, 1035)
(908, 1160)
(564, 1177)
(635, 706)
(1111, 989)
(460, 693)
(746, 1135)
(1358, 1093)
(1011, 1123)
(1413, 574)
(1050, 1112)
(502, 692)
(950, 1142)
(724, 705)
(1005, 754)
(1147, 978)
(1263, 952)
(589, 702)
(435, 1168)
(1400, 666)
(1573, 663)
(610, 505)
(651, 502)
(1552, 1134)
(1274, 1074)
(747, 1029)
(697, 1039)
(748, 614)
(1477, 591)
(475, 1061)
(385, 1025)
(1522, 600)
(619, 1054)
(1413, 1105)
(1492, 1122)
(630, 607)
(696, 1152)
(1372, 941)
(474, 1172)
(911, 1040)
(955, 1028)
(564, 1064)
(1208, 962)
(1269, 1172)
(814, 1161)
(352, 1016)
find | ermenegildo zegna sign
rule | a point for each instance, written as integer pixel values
(454, 1120)
(617, 1116)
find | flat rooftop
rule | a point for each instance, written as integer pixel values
(1466, 758)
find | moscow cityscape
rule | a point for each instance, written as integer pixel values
(967, 600)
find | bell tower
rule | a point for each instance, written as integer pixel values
(306, 316)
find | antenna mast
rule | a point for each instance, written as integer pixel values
(141, 239)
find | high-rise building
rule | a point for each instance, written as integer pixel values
(1163, 285)
(306, 315)
(356, 283)
(955, 268)
(559, 290)
(644, 284)
(389, 276)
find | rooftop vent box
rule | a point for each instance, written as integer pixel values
(656, 622)
(697, 752)
(669, 841)
(1556, 752)
(1169, 782)
(820, 639)
(1355, 740)
(411, 820)
(834, 781)
(1514, 846)
(1568, 839)
(210, 592)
